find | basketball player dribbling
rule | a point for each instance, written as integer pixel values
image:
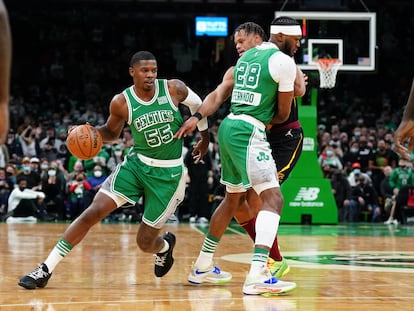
(154, 165)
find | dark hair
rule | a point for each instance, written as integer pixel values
(141, 55)
(284, 20)
(251, 28)
(21, 178)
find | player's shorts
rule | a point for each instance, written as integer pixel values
(286, 149)
(162, 182)
(246, 157)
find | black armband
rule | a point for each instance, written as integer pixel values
(197, 115)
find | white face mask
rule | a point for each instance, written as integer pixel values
(51, 173)
(97, 174)
(118, 153)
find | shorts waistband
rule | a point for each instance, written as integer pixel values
(249, 119)
(160, 163)
(288, 126)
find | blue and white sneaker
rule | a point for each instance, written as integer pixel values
(267, 285)
(212, 274)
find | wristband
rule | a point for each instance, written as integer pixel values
(197, 115)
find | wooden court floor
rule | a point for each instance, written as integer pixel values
(353, 267)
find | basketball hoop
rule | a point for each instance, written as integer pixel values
(328, 68)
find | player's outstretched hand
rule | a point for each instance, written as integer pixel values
(188, 127)
(404, 134)
(200, 149)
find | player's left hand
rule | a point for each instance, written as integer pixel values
(200, 149)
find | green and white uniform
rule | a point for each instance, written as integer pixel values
(154, 165)
(245, 153)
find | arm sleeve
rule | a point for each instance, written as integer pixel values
(282, 68)
(193, 102)
(30, 194)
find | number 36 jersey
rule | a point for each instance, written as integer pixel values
(259, 74)
(154, 122)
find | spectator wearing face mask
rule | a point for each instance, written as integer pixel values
(356, 173)
(11, 175)
(100, 159)
(97, 178)
(44, 166)
(367, 198)
(342, 193)
(78, 191)
(32, 178)
(53, 185)
(116, 157)
(351, 156)
(35, 165)
(95, 181)
(365, 153)
(329, 161)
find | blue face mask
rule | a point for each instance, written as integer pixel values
(329, 153)
(26, 168)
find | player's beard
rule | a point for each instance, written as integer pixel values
(287, 49)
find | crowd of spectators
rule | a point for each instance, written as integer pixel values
(366, 173)
(81, 59)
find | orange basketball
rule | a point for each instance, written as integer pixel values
(84, 141)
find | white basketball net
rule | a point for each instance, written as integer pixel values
(328, 68)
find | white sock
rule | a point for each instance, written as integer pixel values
(267, 224)
(61, 249)
(53, 259)
(204, 260)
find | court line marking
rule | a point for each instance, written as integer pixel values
(246, 258)
(37, 304)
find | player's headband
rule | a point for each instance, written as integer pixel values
(290, 30)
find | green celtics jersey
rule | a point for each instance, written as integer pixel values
(255, 91)
(153, 123)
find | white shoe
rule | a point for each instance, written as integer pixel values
(395, 222)
(202, 220)
(173, 219)
(21, 220)
(211, 275)
(265, 284)
(192, 219)
(389, 221)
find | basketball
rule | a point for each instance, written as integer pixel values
(84, 142)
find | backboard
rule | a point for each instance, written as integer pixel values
(349, 36)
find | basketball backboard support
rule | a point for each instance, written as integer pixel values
(349, 36)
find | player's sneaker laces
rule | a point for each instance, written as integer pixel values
(164, 261)
(278, 268)
(265, 284)
(212, 275)
(37, 278)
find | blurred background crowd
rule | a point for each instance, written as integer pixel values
(71, 57)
